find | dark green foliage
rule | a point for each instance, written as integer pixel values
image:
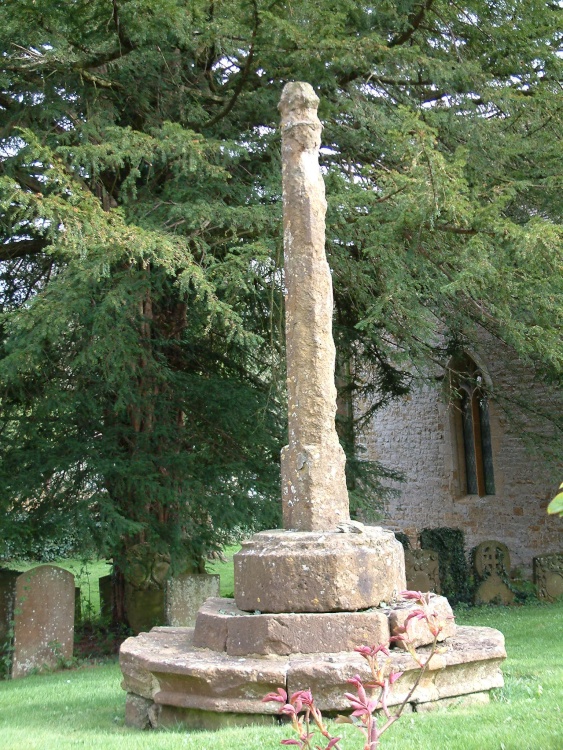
(141, 355)
(403, 538)
(454, 573)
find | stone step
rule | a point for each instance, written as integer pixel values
(221, 626)
(168, 679)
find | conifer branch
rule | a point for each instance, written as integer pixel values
(243, 73)
(413, 23)
(22, 248)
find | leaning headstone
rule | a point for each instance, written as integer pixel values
(43, 629)
(548, 576)
(492, 563)
(185, 594)
(422, 570)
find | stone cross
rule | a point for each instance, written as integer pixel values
(314, 493)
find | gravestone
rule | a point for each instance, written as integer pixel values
(185, 594)
(177, 603)
(323, 583)
(37, 617)
(145, 587)
(422, 570)
(145, 608)
(548, 576)
(77, 605)
(492, 563)
(105, 588)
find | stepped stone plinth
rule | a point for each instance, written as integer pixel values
(306, 595)
(171, 681)
(329, 571)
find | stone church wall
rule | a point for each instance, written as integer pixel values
(419, 436)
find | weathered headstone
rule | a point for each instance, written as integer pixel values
(145, 608)
(145, 587)
(185, 594)
(492, 564)
(43, 619)
(548, 576)
(422, 570)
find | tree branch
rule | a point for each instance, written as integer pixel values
(21, 248)
(413, 22)
(243, 74)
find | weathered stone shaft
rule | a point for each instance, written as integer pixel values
(314, 493)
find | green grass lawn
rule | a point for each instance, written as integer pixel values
(225, 571)
(84, 708)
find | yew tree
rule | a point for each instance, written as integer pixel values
(141, 347)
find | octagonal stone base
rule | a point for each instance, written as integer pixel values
(330, 571)
(221, 626)
(169, 680)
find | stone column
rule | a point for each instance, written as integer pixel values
(314, 493)
(320, 561)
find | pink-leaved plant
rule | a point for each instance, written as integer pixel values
(370, 712)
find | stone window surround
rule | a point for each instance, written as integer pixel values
(463, 364)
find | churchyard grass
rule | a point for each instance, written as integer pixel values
(84, 708)
(225, 570)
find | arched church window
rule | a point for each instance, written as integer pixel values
(472, 410)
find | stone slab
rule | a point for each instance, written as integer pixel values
(145, 608)
(460, 701)
(467, 663)
(137, 711)
(164, 667)
(224, 627)
(185, 594)
(43, 619)
(419, 633)
(548, 576)
(284, 571)
(174, 717)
